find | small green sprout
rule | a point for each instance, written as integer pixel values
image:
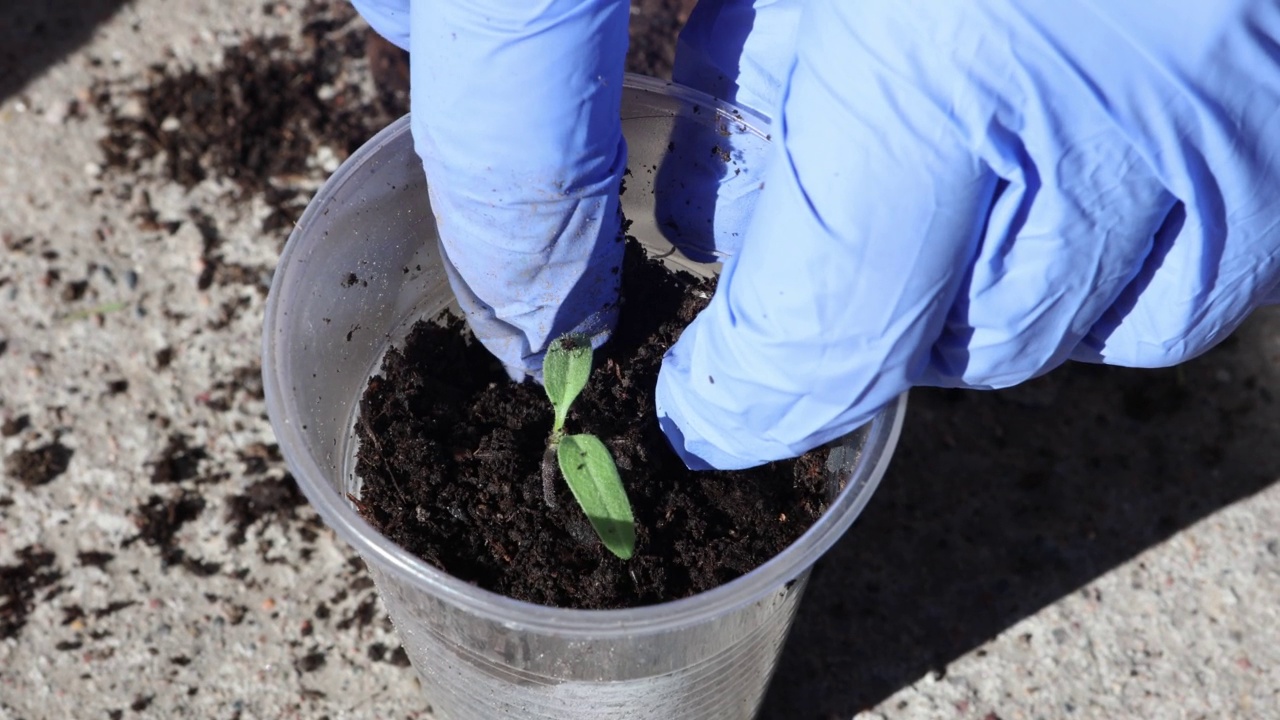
(584, 461)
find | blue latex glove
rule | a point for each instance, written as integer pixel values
(515, 115)
(967, 195)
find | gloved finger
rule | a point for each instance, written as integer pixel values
(1073, 223)
(1187, 297)
(848, 268)
(515, 115)
(706, 190)
(388, 18)
(739, 50)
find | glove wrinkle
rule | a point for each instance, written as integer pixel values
(1131, 142)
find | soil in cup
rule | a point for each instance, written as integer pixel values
(450, 456)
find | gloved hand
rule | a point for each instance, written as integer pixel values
(515, 115)
(968, 195)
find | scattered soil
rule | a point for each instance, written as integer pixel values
(163, 357)
(258, 457)
(244, 385)
(310, 662)
(178, 461)
(277, 115)
(379, 652)
(14, 425)
(263, 118)
(35, 570)
(264, 498)
(95, 558)
(158, 521)
(40, 465)
(450, 456)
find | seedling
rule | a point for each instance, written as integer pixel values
(584, 461)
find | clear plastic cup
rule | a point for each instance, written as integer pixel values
(360, 268)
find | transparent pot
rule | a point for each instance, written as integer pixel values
(360, 268)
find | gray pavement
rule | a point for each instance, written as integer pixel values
(1103, 543)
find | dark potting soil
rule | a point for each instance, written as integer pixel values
(450, 454)
(38, 466)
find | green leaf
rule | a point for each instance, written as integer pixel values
(565, 370)
(588, 468)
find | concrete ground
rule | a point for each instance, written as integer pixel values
(1102, 543)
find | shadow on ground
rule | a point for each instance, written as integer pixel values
(1001, 503)
(35, 34)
